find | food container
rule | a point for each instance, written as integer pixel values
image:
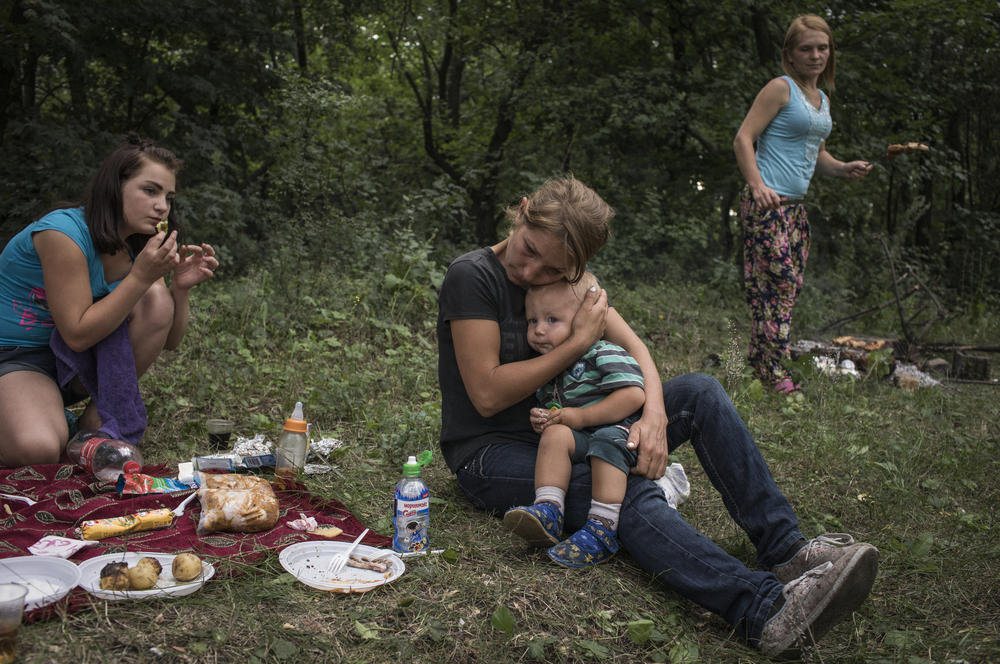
(48, 579)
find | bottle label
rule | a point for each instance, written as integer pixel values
(88, 450)
(410, 520)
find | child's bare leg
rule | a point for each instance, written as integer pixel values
(609, 482)
(540, 524)
(607, 493)
(553, 464)
(597, 540)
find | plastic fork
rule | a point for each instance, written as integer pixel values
(179, 510)
(339, 561)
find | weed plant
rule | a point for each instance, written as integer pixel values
(913, 472)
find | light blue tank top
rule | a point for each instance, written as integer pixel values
(788, 147)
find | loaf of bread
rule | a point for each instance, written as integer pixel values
(236, 503)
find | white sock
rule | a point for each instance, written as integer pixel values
(606, 513)
(551, 494)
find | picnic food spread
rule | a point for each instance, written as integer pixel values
(131, 503)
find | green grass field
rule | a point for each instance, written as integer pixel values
(913, 472)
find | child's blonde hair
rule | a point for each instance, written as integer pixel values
(578, 289)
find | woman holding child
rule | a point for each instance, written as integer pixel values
(86, 270)
(489, 375)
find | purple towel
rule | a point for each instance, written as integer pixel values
(107, 371)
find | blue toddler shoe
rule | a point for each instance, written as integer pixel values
(587, 547)
(540, 524)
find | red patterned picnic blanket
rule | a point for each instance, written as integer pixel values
(66, 496)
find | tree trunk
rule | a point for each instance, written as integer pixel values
(760, 19)
(299, 26)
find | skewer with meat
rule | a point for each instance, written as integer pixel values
(897, 149)
(372, 564)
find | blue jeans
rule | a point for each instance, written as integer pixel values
(657, 537)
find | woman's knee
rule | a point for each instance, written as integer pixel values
(30, 446)
(155, 309)
(700, 384)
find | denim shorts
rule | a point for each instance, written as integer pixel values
(39, 359)
(609, 444)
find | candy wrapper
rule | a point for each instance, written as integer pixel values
(57, 547)
(96, 529)
(139, 484)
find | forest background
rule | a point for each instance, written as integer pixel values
(334, 131)
(340, 154)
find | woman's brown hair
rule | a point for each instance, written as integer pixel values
(102, 199)
(573, 212)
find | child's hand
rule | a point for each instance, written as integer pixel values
(570, 417)
(539, 419)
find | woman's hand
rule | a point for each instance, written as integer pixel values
(197, 265)
(590, 319)
(855, 170)
(764, 197)
(157, 258)
(649, 435)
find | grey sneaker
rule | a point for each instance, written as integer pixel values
(829, 547)
(815, 602)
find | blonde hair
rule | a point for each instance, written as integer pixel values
(577, 289)
(799, 25)
(574, 213)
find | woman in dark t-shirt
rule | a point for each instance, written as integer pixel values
(488, 377)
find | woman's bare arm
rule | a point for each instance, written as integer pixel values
(493, 386)
(768, 103)
(650, 433)
(81, 321)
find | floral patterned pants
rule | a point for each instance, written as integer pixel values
(775, 249)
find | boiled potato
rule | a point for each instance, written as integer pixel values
(143, 576)
(151, 562)
(114, 576)
(186, 567)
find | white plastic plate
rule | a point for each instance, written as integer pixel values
(308, 562)
(48, 579)
(166, 586)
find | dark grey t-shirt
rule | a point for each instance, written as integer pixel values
(476, 287)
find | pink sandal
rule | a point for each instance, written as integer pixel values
(786, 387)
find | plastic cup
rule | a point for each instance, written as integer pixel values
(11, 609)
(218, 433)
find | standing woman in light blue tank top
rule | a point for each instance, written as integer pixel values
(789, 121)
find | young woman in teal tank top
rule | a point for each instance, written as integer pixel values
(789, 121)
(85, 270)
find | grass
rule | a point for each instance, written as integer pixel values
(915, 473)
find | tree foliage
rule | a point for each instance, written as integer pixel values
(317, 128)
